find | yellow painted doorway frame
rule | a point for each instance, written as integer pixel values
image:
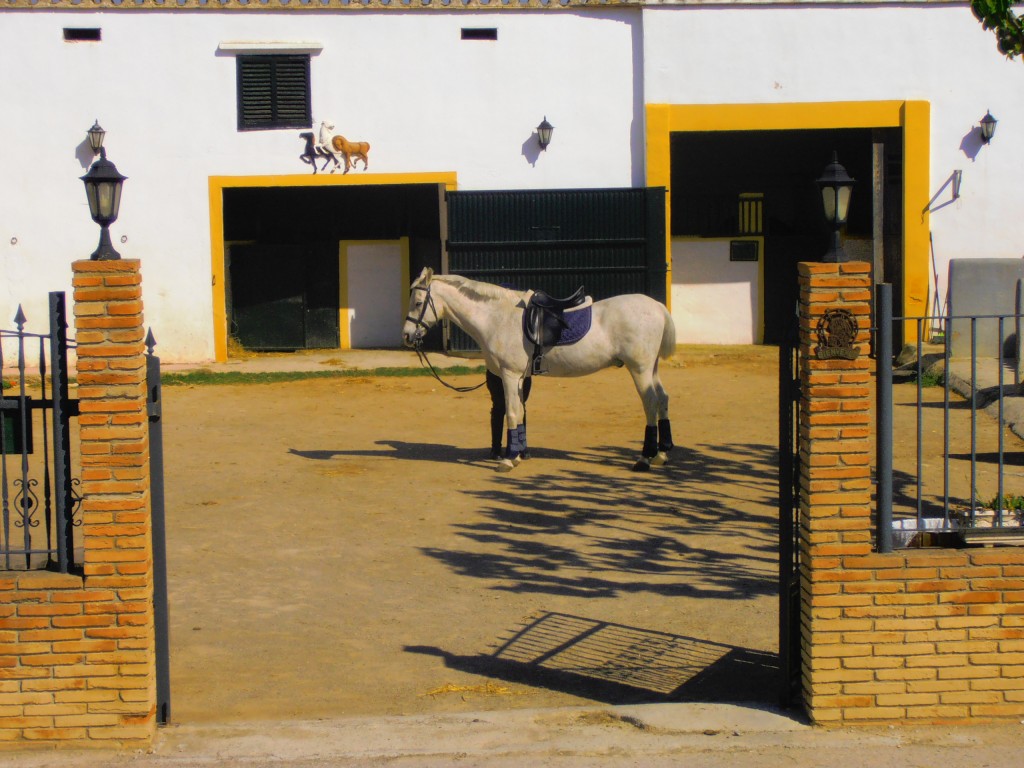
(217, 185)
(914, 117)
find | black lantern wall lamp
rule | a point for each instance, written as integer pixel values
(988, 127)
(103, 191)
(836, 187)
(544, 131)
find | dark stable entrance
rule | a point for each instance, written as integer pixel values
(711, 169)
(282, 254)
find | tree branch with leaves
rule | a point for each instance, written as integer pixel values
(998, 16)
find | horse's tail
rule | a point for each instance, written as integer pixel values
(668, 336)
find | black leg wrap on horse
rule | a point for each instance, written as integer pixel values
(665, 443)
(521, 431)
(650, 442)
(515, 447)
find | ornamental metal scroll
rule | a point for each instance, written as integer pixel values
(837, 334)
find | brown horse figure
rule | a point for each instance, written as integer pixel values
(352, 150)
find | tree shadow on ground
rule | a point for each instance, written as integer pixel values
(704, 525)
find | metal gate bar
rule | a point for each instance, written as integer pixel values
(161, 618)
(789, 533)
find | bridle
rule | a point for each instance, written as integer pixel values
(417, 342)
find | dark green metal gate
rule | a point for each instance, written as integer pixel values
(611, 241)
(284, 296)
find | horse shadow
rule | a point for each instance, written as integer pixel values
(619, 664)
(435, 452)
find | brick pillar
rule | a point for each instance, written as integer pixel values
(77, 650)
(114, 453)
(835, 480)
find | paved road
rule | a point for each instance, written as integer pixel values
(652, 736)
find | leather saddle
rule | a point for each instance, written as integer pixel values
(544, 321)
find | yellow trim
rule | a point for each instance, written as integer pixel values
(912, 116)
(344, 310)
(916, 226)
(217, 185)
(344, 307)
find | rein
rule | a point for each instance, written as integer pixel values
(425, 361)
(418, 344)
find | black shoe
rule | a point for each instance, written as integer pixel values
(496, 453)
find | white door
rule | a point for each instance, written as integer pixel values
(374, 303)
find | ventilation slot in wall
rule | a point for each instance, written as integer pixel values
(81, 34)
(479, 33)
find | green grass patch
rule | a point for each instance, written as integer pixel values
(932, 379)
(204, 376)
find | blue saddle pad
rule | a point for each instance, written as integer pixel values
(573, 326)
(578, 322)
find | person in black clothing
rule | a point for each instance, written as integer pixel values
(497, 390)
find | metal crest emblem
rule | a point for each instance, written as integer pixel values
(837, 332)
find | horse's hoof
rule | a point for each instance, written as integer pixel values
(505, 465)
(660, 459)
(642, 466)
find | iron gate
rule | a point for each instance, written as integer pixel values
(38, 494)
(611, 241)
(959, 491)
(789, 530)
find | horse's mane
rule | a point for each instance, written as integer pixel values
(477, 290)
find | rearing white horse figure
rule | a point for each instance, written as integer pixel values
(325, 145)
(631, 330)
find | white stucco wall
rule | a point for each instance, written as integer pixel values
(939, 53)
(715, 300)
(426, 100)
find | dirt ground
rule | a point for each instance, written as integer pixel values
(344, 547)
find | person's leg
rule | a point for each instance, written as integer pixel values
(527, 383)
(497, 392)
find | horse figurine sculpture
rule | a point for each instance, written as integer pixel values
(353, 151)
(340, 149)
(631, 330)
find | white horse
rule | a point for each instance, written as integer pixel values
(325, 146)
(631, 330)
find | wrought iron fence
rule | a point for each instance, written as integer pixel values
(954, 404)
(38, 496)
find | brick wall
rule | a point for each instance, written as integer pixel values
(916, 636)
(77, 650)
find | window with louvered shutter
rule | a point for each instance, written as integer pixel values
(273, 92)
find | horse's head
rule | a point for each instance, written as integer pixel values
(422, 314)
